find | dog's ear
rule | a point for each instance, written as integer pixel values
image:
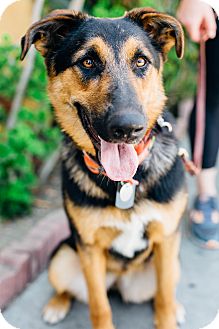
(45, 32)
(164, 29)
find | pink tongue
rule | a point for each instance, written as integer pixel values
(120, 161)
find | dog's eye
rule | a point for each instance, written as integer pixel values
(88, 63)
(141, 61)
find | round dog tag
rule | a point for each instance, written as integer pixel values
(126, 192)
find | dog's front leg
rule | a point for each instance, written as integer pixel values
(167, 270)
(93, 262)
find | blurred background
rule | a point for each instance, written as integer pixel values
(29, 137)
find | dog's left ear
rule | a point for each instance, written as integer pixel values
(164, 29)
(46, 33)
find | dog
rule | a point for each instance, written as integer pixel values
(122, 179)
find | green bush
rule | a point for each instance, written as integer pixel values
(25, 147)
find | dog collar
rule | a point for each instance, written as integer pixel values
(125, 192)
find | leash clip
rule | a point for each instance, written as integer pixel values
(162, 123)
(189, 165)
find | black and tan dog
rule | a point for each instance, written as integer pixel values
(123, 182)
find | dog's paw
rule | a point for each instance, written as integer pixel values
(105, 327)
(180, 314)
(56, 309)
(164, 320)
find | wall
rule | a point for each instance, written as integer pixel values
(16, 19)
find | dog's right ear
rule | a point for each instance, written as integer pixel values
(164, 29)
(44, 32)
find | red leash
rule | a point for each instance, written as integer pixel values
(194, 167)
(200, 109)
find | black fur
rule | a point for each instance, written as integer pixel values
(168, 185)
(80, 197)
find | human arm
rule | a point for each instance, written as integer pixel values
(214, 4)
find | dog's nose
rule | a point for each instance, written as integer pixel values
(127, 127)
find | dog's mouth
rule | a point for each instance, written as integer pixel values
(119, 160)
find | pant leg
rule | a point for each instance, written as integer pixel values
(211, 140)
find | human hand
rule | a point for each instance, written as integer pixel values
(198, 19)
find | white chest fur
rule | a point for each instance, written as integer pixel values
(131, 238)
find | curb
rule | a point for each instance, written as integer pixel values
(22, 261)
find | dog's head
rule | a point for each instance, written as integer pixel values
(105, 77)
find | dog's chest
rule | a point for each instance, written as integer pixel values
(132, 238)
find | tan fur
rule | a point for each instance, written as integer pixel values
(171, 212)
(130, 47)
(89, 220)
(103, 50)
(60, 89)
(57, 308)
(167, 271)
(65, 263)
(138, 284)
(66, 260)
(93, 262)
(40, 45)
